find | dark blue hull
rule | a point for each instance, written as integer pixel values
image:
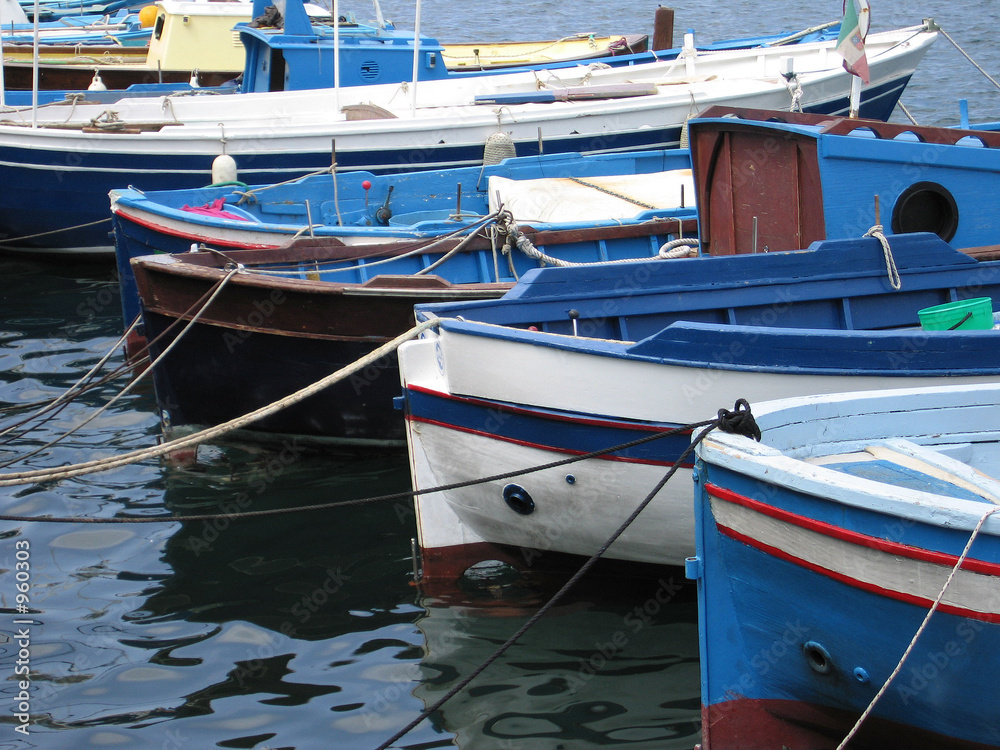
(59, 203)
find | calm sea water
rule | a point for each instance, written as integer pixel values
(306, 631)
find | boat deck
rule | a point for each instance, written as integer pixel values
(902, 463)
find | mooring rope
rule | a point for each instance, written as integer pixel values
(112, 462)
(247, 195)
(969, 58)
(457, 249)
(920, 630)
(128, 388)
(419, 249)
(731, 422)
(740, 420)
(359, 501)
(64, 398)
(10, 240)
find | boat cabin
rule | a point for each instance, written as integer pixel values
(769, 181)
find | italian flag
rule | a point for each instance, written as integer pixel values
(851, 42)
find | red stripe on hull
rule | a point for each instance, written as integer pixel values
(882, 545)
(849, 536)
(200, 237)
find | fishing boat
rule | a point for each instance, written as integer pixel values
(188, 38)
(56, 10)
(74, 157)
(293, 315)
(307, 52)
(124, 27)
(573, 360)
(480, 56)
(555, 191)
(848, 569)
(927, 179)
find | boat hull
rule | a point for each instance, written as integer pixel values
(465, 423)
(265, 336)
(821, 551)
(195, 389)
(75, 171)
(762, 691)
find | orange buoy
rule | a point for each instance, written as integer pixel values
(147, 16)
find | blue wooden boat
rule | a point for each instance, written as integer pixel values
(823, 561)
(378, 128)
(573, 360)
(928, 179)
(293, 52)
(122, 27)
(54, 10)
(773, 181)
(545, 193)
(301, 54)
(293, 315)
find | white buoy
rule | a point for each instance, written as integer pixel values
(223, 169)
(194, 80)
(97, 84)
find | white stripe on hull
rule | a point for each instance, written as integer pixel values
(617, 388)
(866, 567)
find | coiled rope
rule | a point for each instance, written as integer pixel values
(516, 239)
(682, 247)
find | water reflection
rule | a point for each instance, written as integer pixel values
(615, 665)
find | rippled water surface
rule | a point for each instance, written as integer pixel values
(305, 630)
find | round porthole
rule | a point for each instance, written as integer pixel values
(926, 207)
(817, 657)
(518, 499)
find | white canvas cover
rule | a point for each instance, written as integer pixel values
(565, 199)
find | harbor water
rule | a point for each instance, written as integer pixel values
(306, 630)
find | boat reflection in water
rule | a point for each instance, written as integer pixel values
(308, 623)
(616, 663)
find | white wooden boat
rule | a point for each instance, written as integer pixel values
(574, 360)
(65, 165)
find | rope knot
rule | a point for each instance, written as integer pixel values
(739, 421)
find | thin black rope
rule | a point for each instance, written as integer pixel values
(359, 501)
(740, 420)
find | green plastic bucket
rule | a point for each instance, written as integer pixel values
(965, 314)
